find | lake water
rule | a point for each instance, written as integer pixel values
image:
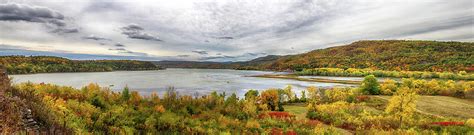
(185, 81)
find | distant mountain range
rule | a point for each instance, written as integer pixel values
(252, 64)
(375, 54)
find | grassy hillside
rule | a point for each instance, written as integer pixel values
(48, 64)
(385, 55)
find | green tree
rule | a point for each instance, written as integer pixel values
(125, 94)
(303, 96)
(232, 100)
(251, 94)
(370, 85)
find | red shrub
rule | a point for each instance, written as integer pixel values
(276, 131)
(448, 123)
(362, 98)
(313, 122)
(290, 132)
(278, 115)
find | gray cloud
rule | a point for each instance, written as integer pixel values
(65, 30)
(93, 37)
(122, 50)
(134, 53)
(201, 52)
(217, 57)
(225, 37)
(119, 45)
(136, 32)
(117, 49)
(37, 14)
(182, 55)
(256, 54)
(20, 12)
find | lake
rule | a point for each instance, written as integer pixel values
(185, 81)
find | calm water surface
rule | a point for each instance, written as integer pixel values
(185, 81)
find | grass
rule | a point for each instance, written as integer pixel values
(443, 106)
(299, 110)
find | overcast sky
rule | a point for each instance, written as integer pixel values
(219, 30)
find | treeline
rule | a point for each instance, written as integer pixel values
(352, 72)
(95, 109)
(460, 89)
(50, 64)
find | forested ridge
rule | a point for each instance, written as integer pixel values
(398, 55)
(385, 55)
(49, 64)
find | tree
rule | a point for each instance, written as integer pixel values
(232, 100)
(289, 93)
(312, 92)
(402, 105)
(250, 108)
(303, 96)
(271, 98)
(388, 87)
(370, 85)
(125, 94)
(251, 94)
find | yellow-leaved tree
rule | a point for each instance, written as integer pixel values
(388, 87)
(402, 105)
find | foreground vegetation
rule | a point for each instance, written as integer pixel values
(49, 64)
(95, 109)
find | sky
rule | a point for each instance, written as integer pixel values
(220, 30)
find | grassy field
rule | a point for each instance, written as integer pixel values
(299, 110)
(438, 106)
(443, 106)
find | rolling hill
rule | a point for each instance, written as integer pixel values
(375, 54)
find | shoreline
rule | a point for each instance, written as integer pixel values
(295, 77)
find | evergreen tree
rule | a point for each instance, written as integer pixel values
(125, 94)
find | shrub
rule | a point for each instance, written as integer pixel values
(388, 87)
(370, 85)
(320, 129)
(470, 123)
(313, 115)
(448, 123)
(340, 94)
